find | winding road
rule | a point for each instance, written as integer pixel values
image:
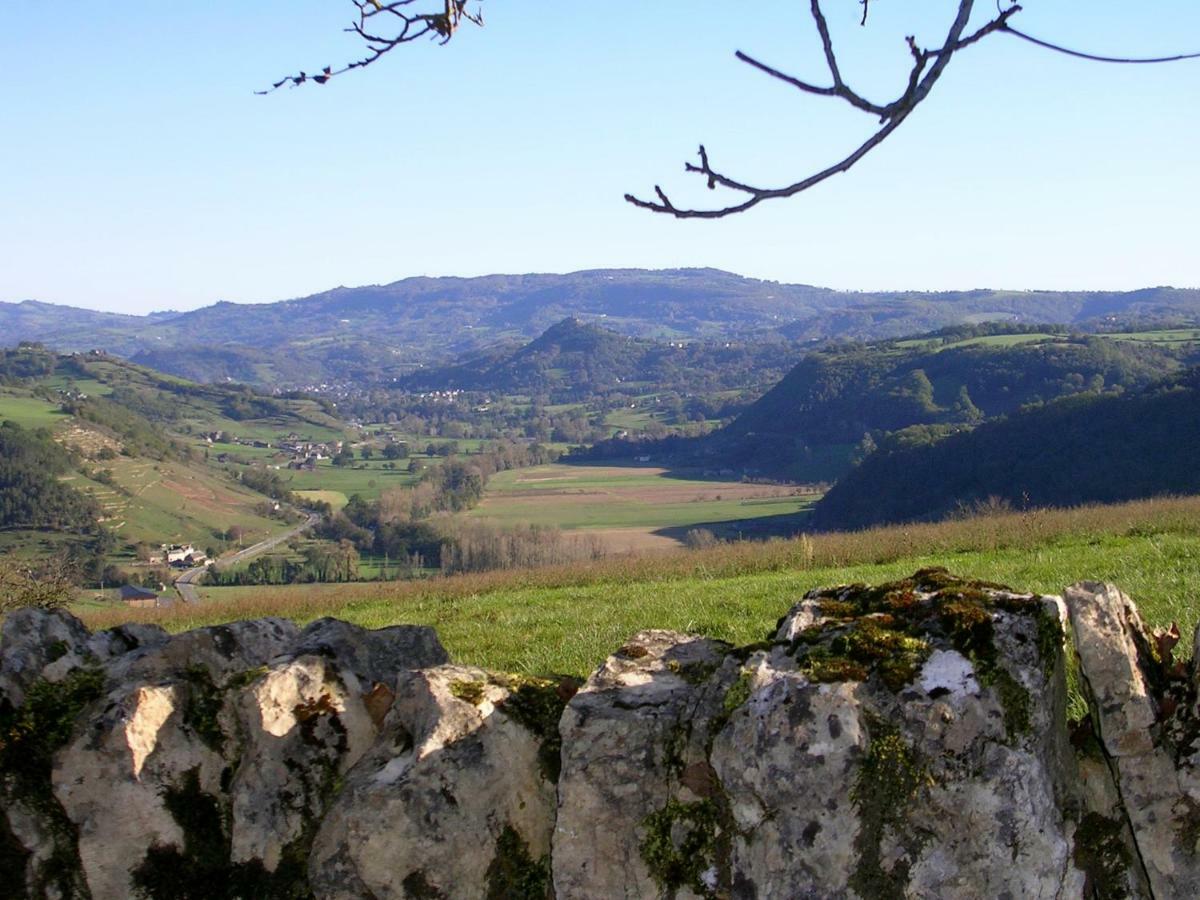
(186, 582)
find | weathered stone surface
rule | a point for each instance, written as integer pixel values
(221, 651)
(373, 656)
(895, 741)
(39, 644)
(1149, 734)
(905, 740)
(455, 799)
(114, 642)
(636, 773)
(305, 723)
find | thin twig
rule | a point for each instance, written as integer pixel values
(1128, 60)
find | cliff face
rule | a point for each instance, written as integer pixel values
(908, 739)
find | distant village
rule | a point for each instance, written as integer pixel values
(304, 454)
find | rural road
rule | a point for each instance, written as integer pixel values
(186, 583)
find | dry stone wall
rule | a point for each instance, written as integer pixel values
(902, 740)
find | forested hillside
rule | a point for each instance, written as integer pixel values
(839, 403)
(1087, 448)
(101, 459)
(31, 494)
(573, 360)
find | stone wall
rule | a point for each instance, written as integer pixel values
(905, 740)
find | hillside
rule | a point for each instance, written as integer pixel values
(380, 332)
(573, 360)
(841, 401)
(101, 455)
(1087, 448)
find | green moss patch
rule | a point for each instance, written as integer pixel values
(538, 703)
(31, 733)
(202, 711)
(680, 844)
(514, 874)
(469, 690)
(889, 631)
(888, 779)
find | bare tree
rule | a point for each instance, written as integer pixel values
(441, 18)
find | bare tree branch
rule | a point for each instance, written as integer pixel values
(1134, 60)
(385, 26)
(927, 68)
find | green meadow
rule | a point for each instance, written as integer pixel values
(567, 619)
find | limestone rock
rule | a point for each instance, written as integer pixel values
(305, 723)
(374, 656)
(1148, 735)
(636, 785)
(896, 741)
(454, 799)
(37, 644)
(221, 651)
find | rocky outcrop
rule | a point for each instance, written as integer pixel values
(903, 740)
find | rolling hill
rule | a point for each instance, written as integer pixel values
(376, 333)
(838, 403)
(573, 360)
(117, 444)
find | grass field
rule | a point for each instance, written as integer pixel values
(568, 619)
(1165, 336)
(629, 504)
(29, 411)
(369, 482)
(336, 499)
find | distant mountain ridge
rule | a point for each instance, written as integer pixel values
(383, 332)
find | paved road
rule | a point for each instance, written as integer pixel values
(186, 583)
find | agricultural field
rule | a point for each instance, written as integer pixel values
(344, 481)
(1165, 336)
(173, 502)
(567, 619)
(631, 507)
(29, 411)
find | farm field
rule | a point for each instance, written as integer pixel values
(628, 506)
(29, 411)
(171, 502)
(1165, 336)
(370, 482)
(567, 619)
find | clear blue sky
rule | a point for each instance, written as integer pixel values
(138, 171)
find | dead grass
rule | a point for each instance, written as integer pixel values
(1013, 531)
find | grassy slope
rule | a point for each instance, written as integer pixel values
(568, 619)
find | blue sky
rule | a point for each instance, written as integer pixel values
(138, 170)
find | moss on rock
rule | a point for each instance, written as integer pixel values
(888, 779)
(680, 844)
(514, 874)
